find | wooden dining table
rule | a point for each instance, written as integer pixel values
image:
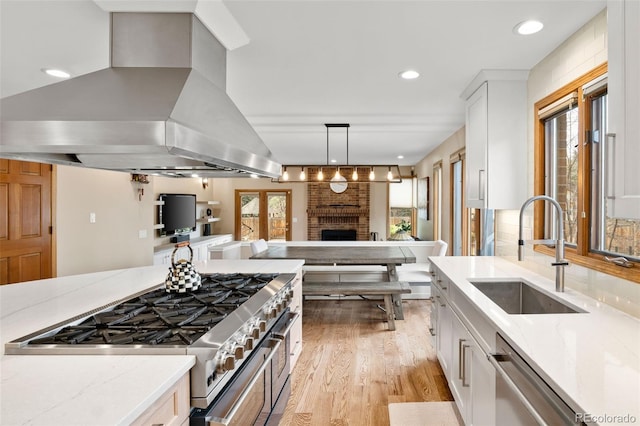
(389, 256)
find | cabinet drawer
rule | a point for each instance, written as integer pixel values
(172, 408)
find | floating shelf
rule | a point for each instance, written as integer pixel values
(158, 226)
(210, 203)
(208, 219)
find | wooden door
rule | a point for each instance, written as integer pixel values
(25, 221)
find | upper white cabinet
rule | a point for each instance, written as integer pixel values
(623, 185)
(495, 156)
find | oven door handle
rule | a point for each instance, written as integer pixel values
(247, 389)
(282, 334)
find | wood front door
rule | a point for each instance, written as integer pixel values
(25, 221)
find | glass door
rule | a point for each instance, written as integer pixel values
(263, 214)
(249, 216)
(278, 224)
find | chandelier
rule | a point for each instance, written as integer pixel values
(345, 172)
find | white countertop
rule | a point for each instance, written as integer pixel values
(593, 358)
(96, 390)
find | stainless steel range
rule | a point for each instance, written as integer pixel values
(236, 325)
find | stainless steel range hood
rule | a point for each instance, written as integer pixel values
(161, 108)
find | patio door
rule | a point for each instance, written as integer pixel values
(263, 214)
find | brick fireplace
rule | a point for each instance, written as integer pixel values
(327, 210)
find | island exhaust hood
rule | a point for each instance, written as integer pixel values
(160, 108)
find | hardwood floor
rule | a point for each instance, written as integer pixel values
(352, 367)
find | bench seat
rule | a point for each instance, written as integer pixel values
(355, 288)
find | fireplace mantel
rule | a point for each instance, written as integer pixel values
(339, 212)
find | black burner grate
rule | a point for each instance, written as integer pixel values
(161, 318)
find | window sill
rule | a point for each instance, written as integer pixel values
(596, 262)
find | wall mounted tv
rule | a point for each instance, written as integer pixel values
(177, 214)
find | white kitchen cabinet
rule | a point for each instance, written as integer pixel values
(483, 385)
(295, 348)
(443, 327)
(470, 375)
(199, 245)
(172, 408)
(623, 141)
(460, 379)
(495, 140)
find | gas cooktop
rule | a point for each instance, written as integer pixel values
(161, 318)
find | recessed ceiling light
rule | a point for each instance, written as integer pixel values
(409, 74)
(56, 73)
(400, 157)
(528, 27)
(333, 160)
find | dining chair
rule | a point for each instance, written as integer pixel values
(440, 248)
(258, 246)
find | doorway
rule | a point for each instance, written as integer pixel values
(263, 214)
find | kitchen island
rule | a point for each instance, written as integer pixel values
(591, 359)
(99, 389)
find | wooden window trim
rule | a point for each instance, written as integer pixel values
(580, 255)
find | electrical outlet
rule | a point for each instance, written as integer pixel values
(142, 233)
(92, 217)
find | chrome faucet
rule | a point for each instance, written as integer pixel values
(560, 261)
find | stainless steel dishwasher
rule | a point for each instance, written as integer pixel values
(522, 396)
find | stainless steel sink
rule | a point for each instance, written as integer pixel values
(518, 297)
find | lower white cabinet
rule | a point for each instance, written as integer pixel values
(172, 408)
(483, 395)
(199, 245)
(460, 378)
(296, 331)
(443, 330)
(470, 375)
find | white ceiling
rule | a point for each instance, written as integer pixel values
(313, 62)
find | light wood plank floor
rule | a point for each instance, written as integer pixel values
(352, 367)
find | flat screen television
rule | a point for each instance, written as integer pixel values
(177, 214)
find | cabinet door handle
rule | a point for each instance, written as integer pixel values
(439, 281)
(481, 185)
(464, 364)
(460, 358)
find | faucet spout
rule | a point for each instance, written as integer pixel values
(560, 261)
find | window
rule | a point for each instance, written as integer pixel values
(402, 206)
(263, 214)
(570, 166)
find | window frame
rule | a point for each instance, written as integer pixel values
(581, 254)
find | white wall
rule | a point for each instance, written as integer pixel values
(112, 242)
(424, 168)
